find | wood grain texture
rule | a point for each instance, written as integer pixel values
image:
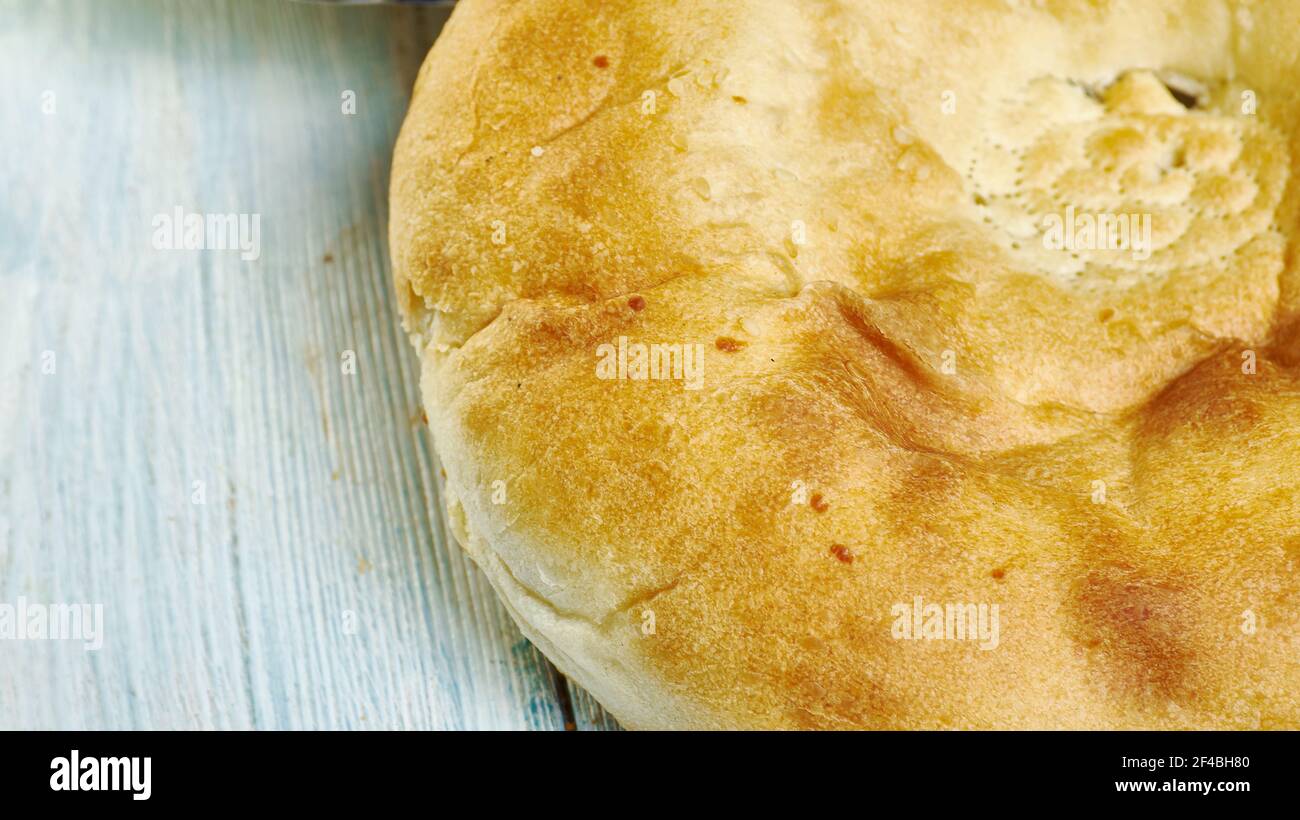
(315, 585)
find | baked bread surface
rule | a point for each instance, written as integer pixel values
(905, 397)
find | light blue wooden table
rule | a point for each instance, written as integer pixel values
(179, 440)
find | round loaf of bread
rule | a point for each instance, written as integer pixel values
(863, 363)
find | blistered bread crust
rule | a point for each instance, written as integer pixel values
(904, 392)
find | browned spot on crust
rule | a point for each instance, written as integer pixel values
(729, 345)
(818, 503)
(600, 61)
(1214, 392)
(637, 303)
(842, 553)
(1287, 345)
(999, 574)
(1141, 626)
(927, 484)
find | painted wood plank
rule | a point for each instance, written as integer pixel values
(262, 528)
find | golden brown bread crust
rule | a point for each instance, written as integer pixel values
(904, 392)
